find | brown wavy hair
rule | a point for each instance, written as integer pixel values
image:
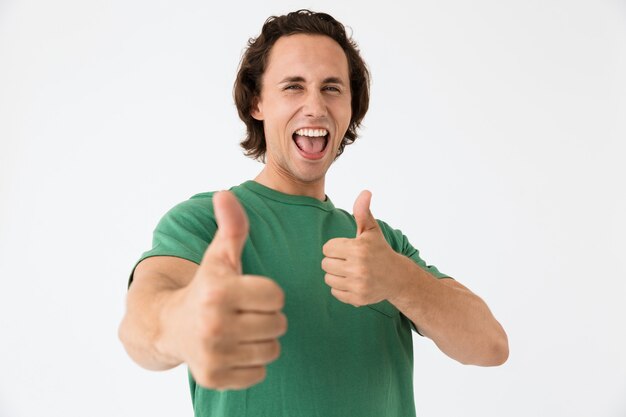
(254, 62)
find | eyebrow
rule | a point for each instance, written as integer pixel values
(299, 79)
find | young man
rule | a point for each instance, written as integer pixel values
(227, 269)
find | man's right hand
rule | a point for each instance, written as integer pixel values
(223, 324)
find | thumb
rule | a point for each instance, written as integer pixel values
(232, 230)
(364, 218)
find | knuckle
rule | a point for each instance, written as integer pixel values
(362, 286)
(357, 301)
(338, 295)
(211, 378)
(271, 290)
(279, 297)
(360, 270)
(258, 375)
(366, 295)
(324, 263)
(211, 381)
(263, 353)
(274, 350)
(213, 327)
(284, 324)
(215, 296)
(209, 358)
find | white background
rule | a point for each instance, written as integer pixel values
(495, 140)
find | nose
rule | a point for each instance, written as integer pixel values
(314, 105)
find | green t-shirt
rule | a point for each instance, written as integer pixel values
(336, 359)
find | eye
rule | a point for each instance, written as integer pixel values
(293, 87)
(332, 89)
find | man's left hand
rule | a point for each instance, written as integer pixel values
(361, 270)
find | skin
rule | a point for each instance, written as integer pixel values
(363, 270)
(285, 106)
(225, 325)
(366, 270)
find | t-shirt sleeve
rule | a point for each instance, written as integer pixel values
(185, 232)
(400, 243)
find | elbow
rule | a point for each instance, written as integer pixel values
(498, 351)
(498, 347)
(140, 350)
(494, 352)
(130, 343)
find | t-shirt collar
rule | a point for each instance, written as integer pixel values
(257, 188)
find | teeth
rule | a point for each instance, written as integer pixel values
(312, 132)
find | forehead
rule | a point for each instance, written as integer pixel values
(309, 56)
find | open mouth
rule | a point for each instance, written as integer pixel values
(311, 142)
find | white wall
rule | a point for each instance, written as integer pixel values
(495, 141)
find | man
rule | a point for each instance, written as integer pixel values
(227, 269)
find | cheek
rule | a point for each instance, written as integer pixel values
(344, 112)
(278, 122)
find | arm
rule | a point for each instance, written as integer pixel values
(222, 324)
(157, 282)
(457, 320)
(367, 270)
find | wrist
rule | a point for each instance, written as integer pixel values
(403, 278)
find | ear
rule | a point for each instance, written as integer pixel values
(256, 110)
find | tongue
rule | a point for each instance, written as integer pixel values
(310, 144)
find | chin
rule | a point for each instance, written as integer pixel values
(309, 177)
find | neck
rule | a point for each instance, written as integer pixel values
(290, 185)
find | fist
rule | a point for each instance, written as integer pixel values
(361, 270)
(229, 323)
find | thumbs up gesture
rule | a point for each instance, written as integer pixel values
(361, 270)
(227, 324)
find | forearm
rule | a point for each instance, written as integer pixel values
(458, 321)
(142, 330)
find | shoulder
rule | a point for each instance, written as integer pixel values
(344, 214)
(196, 212)
(199, 207)
(394, 237)
(201, 202)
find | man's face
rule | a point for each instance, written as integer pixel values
(305, 106)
